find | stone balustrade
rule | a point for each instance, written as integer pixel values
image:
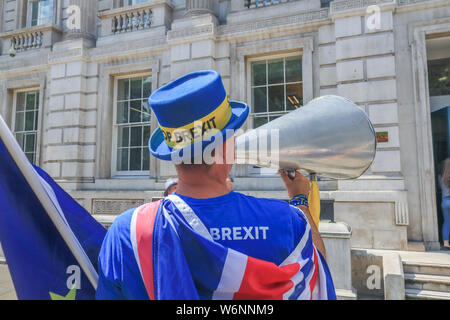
(134, 18)
(26, 39)
(264, 3)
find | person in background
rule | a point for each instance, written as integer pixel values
(444, 181)
(230, 183)
(170, 187)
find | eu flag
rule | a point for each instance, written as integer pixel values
(50, 242)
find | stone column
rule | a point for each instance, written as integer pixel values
(80, 19)
(196, 7)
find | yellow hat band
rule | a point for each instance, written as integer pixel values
(200, 129)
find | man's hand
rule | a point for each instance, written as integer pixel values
(300, 184)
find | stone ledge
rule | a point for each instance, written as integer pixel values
(343, 294)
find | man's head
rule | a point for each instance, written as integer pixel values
(218, 171)
(230, 183)
(170, 187)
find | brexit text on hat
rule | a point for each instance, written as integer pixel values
(199, 129)
(182, 137)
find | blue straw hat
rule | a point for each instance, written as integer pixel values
(192, 112)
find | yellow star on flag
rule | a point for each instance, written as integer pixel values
(70, 296)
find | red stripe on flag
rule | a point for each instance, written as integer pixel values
(312, 283)
(265, 281)
(144, 239)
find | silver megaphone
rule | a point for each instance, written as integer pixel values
(330, 137)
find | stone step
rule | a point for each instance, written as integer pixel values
(426, 268)
(427, 282)
(417, 294)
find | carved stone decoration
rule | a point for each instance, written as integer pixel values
(196, 7)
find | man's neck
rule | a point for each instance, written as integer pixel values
(201, 187)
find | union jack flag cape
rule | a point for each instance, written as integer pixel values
(179, 260)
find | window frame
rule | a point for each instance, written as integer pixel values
(115, 132)
(38, 129)
(249, 83)
(124, 3)
(29, 13)
(254, 171)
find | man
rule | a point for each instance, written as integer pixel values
(229, 182)
(206, 241)
(170, 187)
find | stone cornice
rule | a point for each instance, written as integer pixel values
(185, 35)
(358, 7)
(131, 50)
(41, 28)
(414, 5)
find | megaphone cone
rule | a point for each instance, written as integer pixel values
(330, 136)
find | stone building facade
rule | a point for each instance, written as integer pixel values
(75, 74)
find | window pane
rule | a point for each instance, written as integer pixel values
(146, 113)
(20, 104)
(145, 159)
(276, 98)
(123, 88)
(271, 118)
(124, 136)
(293, 69)
(294, 96)
(132, 139)
(136, 137)
(34, 13)
(439, 77)
(146, 135)
(260, 99)
(20, 121)
(36, 120)
(135, 159)
(259, 73)
(20, 139)
(147, 87)
(29, 121)
(136, 88)
(31, 101)
(41, 12)
(259, 121)
(275, 71)
(122, 160)
(30, 156)
(30, 142)
(122, 112)
(45, 11)
(135, 111)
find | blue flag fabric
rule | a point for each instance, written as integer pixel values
(41, 264)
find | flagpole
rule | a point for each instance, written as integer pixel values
(32, 178)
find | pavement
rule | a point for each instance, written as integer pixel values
(7, 291)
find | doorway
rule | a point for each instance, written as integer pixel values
(440, 120)
(439, 86)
